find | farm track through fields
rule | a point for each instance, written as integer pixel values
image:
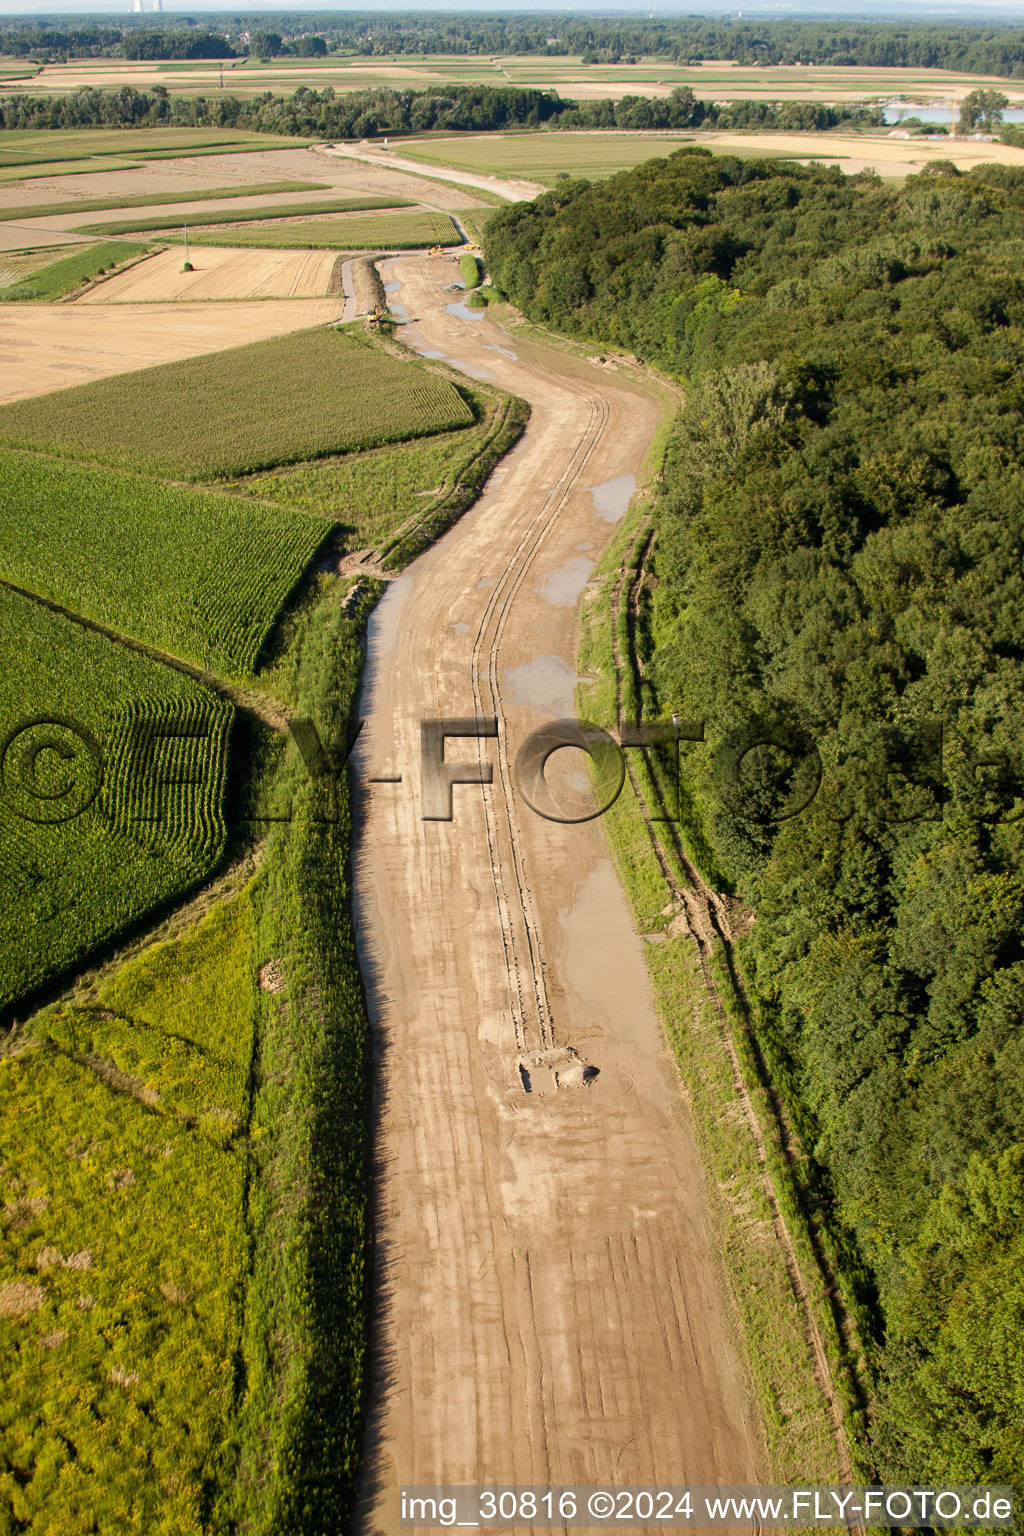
(549, 1302)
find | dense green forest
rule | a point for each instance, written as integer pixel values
(449, 109)
(839, 596)
(989, 49)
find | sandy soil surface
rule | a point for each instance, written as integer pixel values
(512, 190)
(551, 1307)
(220, 273)
(49, 346)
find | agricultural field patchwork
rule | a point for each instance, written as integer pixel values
(61, 277)
(388, 497)
(298, 397)
(243, 215)
(125, 1251)
(21, 147)
(112, 771)
(545, 157)
(385, 232)
(194, 574)
(155, 199)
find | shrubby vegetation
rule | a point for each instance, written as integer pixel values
(839, 572)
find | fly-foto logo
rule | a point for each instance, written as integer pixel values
(53, 769)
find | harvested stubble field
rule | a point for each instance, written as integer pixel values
(191, 573)
(395, 231)
(125, 1246)
(78, 877)
(243, 216)
(219, 274)
(299, 397)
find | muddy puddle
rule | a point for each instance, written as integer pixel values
(607, 975)
(562, 588)
(463, 311)
(545, 684)
(612, 499)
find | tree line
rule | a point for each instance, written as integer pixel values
(839, 596)
(326, 114)
(991, 49)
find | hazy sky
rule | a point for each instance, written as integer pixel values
(968, 10)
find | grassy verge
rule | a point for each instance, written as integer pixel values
(797, 1430)
(305, 1334)
(61, 277)
(242, 215)
(155, 199)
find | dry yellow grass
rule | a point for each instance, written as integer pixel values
(18, 1298)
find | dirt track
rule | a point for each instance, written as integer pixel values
(551, 1310)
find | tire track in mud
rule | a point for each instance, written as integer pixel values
(526, 974)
